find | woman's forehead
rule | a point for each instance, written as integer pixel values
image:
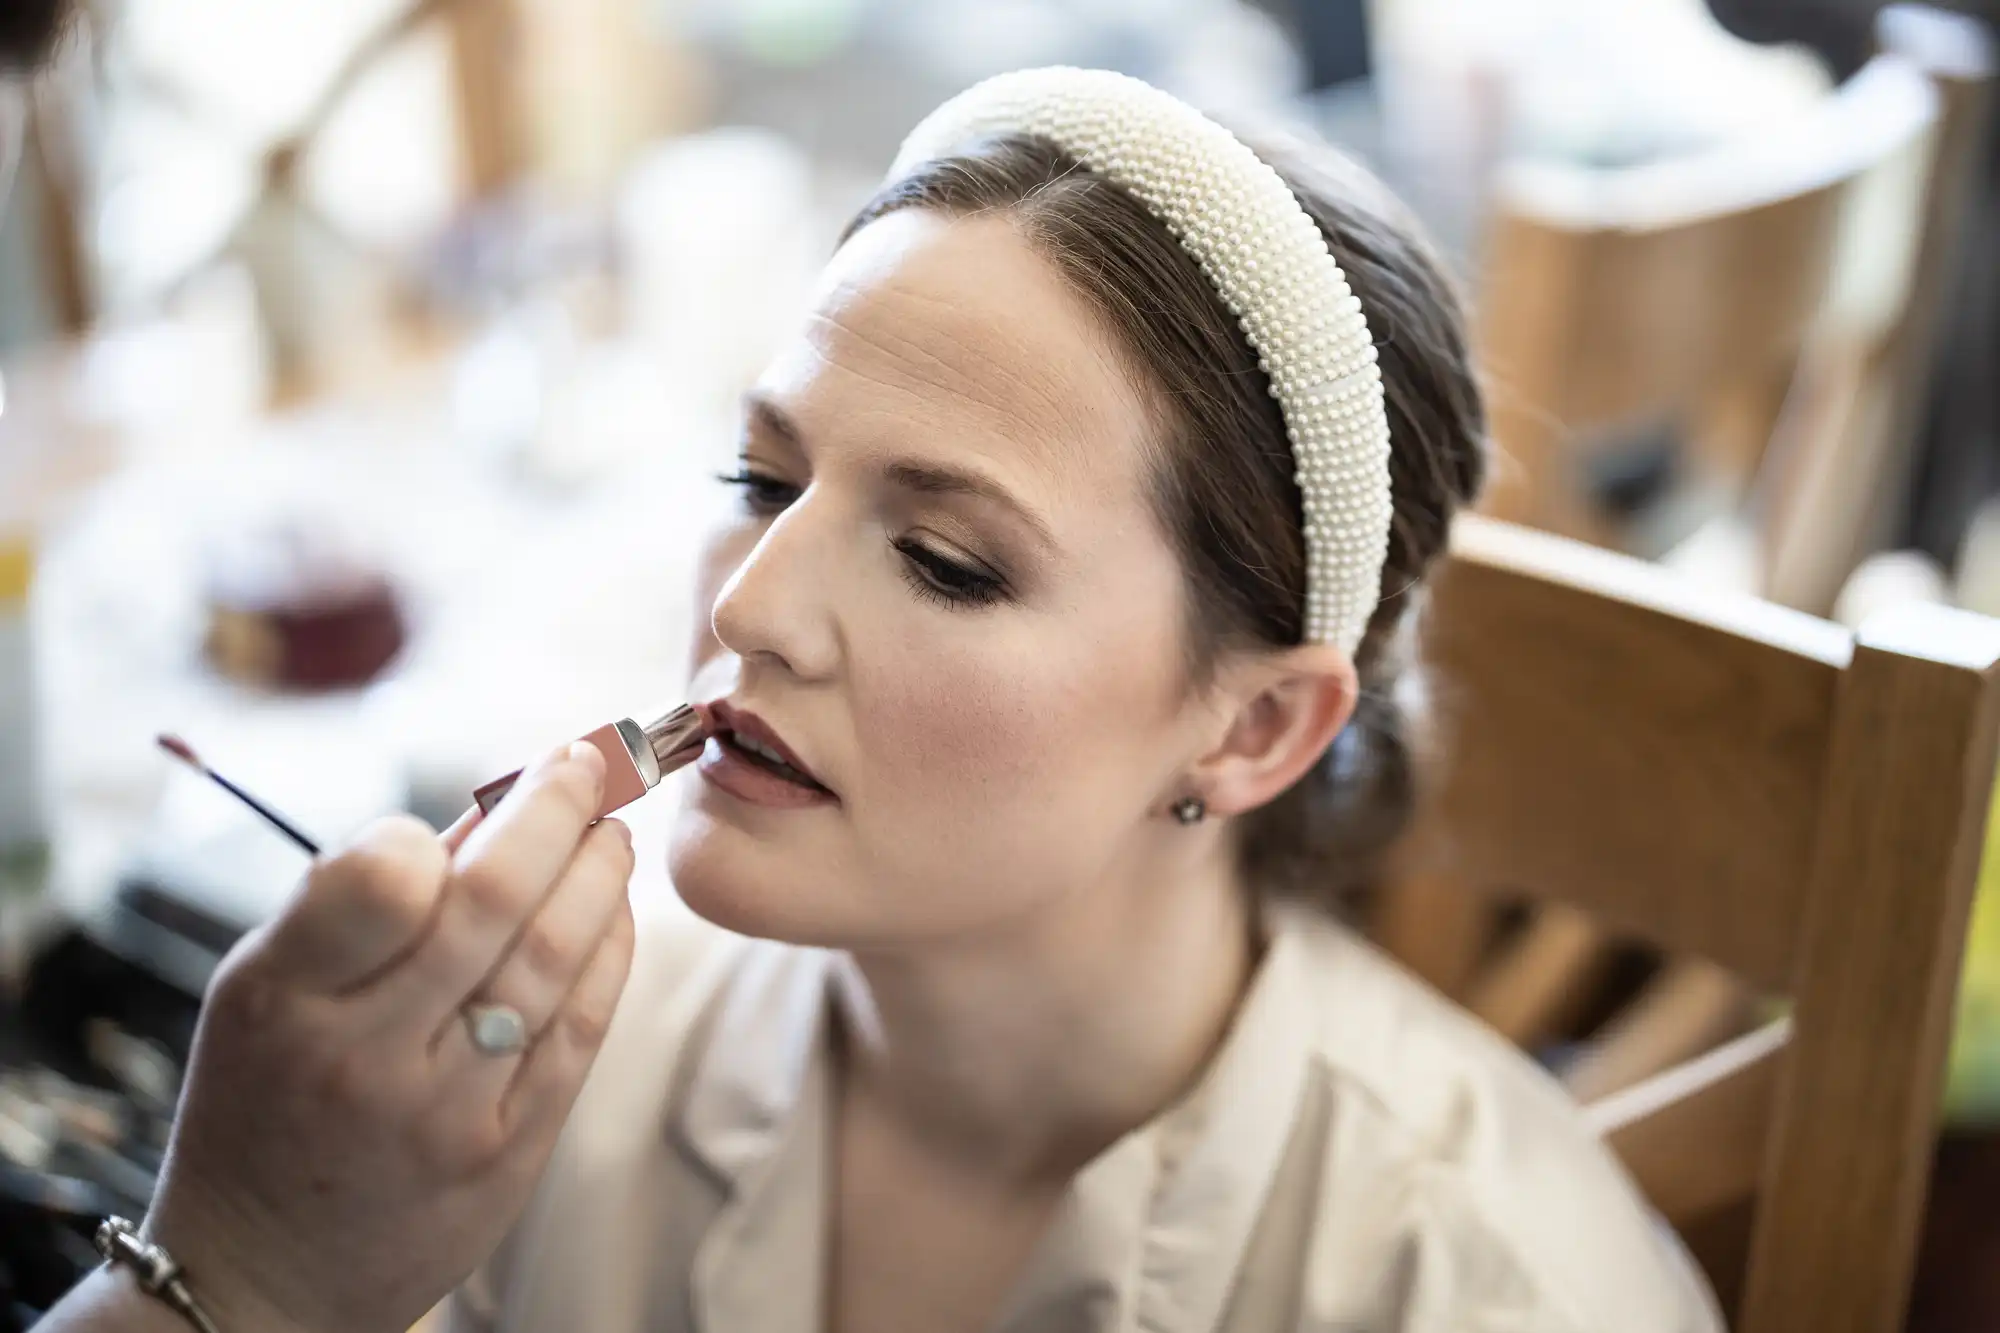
(955, 332)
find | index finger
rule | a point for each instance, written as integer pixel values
(531, 833)
(501, 871)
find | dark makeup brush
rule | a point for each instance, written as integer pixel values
(184, 752)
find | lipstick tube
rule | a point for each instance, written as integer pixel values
(635, 758)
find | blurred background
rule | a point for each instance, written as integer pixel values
(364, 365)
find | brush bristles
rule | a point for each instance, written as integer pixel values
(179, 749)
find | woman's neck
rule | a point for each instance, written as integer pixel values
(1027, 1051)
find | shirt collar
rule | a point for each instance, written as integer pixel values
(766, 1037)
(1160, 1222)
(1152, 1231)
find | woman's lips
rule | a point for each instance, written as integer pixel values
(734, 771)
(727, 719)
(747, 758)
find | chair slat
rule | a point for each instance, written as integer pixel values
(1617, 738)
(1690, 1007)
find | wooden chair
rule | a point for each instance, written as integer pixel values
(1689, 292)
(1676, 294)
(1731, 780)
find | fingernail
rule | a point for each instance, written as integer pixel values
(592, 758)
(624, 829)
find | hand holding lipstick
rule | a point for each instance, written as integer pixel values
(346, 1151)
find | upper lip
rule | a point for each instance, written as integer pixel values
(728, 719)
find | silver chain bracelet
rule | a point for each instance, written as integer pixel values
(159, 1276)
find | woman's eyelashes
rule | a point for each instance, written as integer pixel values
(763, 494)
(931, 574)
(944, 580)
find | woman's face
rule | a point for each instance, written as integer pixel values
(947, 596)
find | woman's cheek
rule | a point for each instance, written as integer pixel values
(984, 723)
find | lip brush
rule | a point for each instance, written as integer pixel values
(184, 752)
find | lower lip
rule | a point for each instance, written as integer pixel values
(723, 767)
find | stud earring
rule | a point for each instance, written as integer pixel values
(1190, 809)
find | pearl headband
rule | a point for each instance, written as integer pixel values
(1270, 264)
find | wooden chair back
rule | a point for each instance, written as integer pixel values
(1757, 294)
(1801, 806)
(1677, 293)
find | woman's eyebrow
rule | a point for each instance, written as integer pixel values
(923, 476)
(931, 478)
(767, 416)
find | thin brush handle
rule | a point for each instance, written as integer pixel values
(184, 752)
(271, 817)
(276, 820)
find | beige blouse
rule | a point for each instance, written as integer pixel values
(1361, 1157)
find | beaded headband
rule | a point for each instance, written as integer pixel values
(1234, 214)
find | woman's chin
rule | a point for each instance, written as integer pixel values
(734, 881)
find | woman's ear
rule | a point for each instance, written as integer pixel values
(1288, 709)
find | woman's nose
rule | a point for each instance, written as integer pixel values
(776, 605)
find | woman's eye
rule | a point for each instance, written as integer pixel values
(763, 494)
(946, 580)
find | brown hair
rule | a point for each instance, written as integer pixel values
(1224, 490)
(28, 29)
